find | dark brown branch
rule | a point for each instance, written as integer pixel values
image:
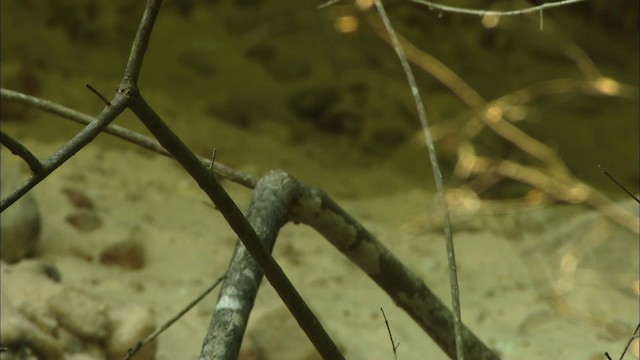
(210, 185)
(18, 149)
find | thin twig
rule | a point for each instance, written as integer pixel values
(453, 9)
(437, 174)
(173, 319)
(208, 182)
(80, 140)
(141, 41)
(633, 336)
(18, 149)
(97, 93)
(618, 183)
(213, 159)
(267, 213)
(394, 346)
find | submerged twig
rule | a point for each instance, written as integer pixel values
(173, 319)
(394, 346)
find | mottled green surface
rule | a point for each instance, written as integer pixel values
(272, 84)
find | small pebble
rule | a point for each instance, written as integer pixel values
(78, 198)
(84, 221)
(128, 254)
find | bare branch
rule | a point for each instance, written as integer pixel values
(267, 214)
(234, 217)
(18, 149)
(123, 133)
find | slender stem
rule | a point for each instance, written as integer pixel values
(437, 174)
(394, 346)
(624, 188)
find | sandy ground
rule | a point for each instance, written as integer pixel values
(512, 294)
(536, 283)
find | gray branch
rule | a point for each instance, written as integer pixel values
(276, 193)
(18, 149)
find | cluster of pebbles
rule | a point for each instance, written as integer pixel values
(44, 318)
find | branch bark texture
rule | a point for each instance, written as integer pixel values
(234, 217)
(277, 192)
(267, 214)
